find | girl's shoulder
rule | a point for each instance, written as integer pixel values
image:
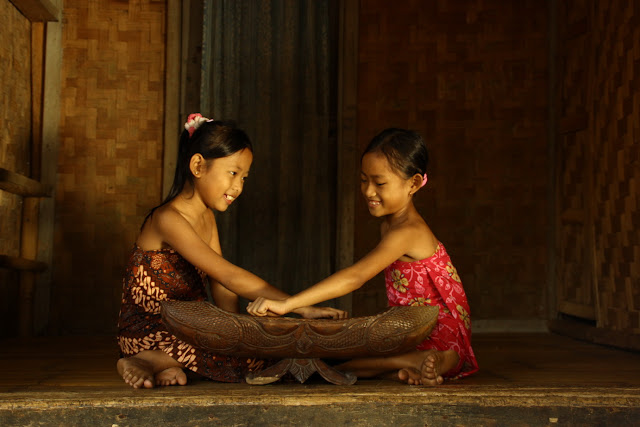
(421, 243)
(153, 233)
(171, 215)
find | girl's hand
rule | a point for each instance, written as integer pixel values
(262, 306)
(311, 312)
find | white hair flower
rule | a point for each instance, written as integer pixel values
(194, 121)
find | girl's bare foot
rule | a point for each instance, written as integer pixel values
(410, 376)
(171, 376)
(434, 365)
(136, 372)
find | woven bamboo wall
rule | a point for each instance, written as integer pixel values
(15, 133)
(599, 169)
(472, 78)
(110, 158)
(574, 275)
(616, 153)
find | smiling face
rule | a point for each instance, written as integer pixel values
(386, 192)
(220, 181)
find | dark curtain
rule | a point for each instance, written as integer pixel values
(267, 65)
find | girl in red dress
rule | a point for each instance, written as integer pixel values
(418, 270)
(177, 250)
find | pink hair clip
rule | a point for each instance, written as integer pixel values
(194, 121)
(424, 181)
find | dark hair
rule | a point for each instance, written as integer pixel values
(213, 140)
(404, 149)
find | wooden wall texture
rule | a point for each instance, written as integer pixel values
(15, 134)
(471, 77)
(110, 158)
(574, 246)
(616, 154)
(599, 165)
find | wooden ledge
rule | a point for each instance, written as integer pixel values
(585, 332)
(21, 185)
(16, 263)
(37, 10)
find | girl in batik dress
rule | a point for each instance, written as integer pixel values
(418, 270)
(178, 251)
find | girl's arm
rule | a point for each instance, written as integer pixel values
(178, 233)
(223, 297)
(392, 246)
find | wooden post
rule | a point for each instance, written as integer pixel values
(30, 205)
(552, 285)
(50, 125)
(172, 93)
(347, 137)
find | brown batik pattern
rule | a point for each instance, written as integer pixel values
(161, 275)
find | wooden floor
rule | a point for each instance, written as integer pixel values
(525, 379)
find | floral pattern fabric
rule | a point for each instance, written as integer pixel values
(435, 281)
(154, 276)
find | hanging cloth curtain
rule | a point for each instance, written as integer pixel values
(266, 65)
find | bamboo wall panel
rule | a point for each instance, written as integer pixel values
(574, 273)
(15, 133)
(471, 77)
(110, 157)
(616, 134)
(574, 278)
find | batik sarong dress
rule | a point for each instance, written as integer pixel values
(434, 281)
(160, 275)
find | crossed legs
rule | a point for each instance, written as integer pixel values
(416, 368)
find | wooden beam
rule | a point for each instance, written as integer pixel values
(551, 288)
(37, 79)
(347, 136)
(581, 331)
(31, 205)
(172, 93)
(37, 10)
(19, 184)
(582, 311)
(52, 82)
(21, 264)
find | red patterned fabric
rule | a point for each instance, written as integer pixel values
(435, 281)
(154, 276)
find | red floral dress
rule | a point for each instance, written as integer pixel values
(154, 276)
(435, 281)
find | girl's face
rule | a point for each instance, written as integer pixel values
(385, 191)
(221, 181)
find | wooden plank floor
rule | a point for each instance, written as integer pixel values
(545, 377)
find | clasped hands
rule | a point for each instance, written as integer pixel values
(268, 307)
